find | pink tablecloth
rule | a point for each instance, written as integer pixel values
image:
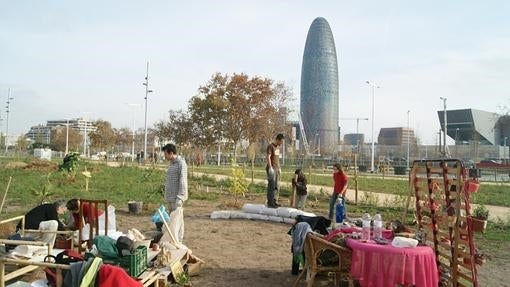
(385, 266)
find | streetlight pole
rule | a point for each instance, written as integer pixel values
(9, 99)
(445, 126)
(408, 139)
(147, 91)
(374, 86)
(504, 151)
(67, 137)
(456, 139)
(133, 106)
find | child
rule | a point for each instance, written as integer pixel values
(340, 179)
(299, 185)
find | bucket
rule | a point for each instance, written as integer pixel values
(135, 207)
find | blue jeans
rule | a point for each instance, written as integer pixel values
(332, 202)
(272, 185)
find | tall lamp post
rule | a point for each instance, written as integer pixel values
(505, 148)
(67, 136)
(445, 126)
(147, 91)
(7, 110)
(456, 139)
(408, 139)
(374, 86)
(133, 106)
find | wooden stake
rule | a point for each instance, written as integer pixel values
(168, 229)
(5, 194)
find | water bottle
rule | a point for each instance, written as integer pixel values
(377, 226)
(339, 210)
(365, 233)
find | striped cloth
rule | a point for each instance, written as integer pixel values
(176, 186)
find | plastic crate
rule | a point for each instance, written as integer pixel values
(135, 263)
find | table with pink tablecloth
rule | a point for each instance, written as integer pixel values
(377, 265)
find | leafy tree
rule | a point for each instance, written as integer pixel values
(103, 138)
(58, 139)
(176, 129)
(123, 138)
(21, 143)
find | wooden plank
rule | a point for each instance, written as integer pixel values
(466, 277)
(146, 275)
(20, 272)
(444, 255)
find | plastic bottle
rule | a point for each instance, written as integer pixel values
(365, 233)
(339, 210)
(377, 226)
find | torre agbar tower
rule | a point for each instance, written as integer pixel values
(319, 88)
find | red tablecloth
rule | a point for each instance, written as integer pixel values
(377, 265)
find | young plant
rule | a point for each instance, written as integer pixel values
(481, 212)
(238, 184)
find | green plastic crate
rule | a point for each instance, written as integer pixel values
(135, 263)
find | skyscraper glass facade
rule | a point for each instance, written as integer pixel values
(319, 88)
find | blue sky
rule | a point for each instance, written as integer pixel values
(70, 59)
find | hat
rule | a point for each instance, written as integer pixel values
(124, 245)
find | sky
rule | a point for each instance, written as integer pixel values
(69, 59)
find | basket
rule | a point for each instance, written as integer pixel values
(135, 263)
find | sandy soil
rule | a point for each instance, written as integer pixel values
(249, 253)
(255, 253)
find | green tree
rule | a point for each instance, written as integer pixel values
(22, 143)
(58, 139)
(176, 128)
(103, 138)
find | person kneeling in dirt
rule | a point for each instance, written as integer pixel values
(45, 217)
(88, 213)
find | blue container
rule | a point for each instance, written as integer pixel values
(340, 210)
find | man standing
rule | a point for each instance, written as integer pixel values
(176, 190)
(273, 170)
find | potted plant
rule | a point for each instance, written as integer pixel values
(479, 218)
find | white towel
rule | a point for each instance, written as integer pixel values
(402, 242)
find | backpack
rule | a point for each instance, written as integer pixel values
(66, 257)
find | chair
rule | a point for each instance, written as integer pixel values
(24, 266)
(93, 220)
(314, 246)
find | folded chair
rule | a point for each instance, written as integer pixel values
(93, 220)
(314, 246)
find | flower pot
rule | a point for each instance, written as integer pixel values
(479, 225)
(471, 186)
(135, 207)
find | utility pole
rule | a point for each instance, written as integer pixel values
(408, 139)
(445, 126)
(147, 91)
(9, 99)
(374, 86)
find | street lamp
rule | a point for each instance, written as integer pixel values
(133, 106)
(147, 91)
(7, 110)
(374, 86)
(505, 148)
(444, 126)
(456, 139)
(67, 136)
(408, 139)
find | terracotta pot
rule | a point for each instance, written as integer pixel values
(479, 225)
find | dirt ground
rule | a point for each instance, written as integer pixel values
(256, 253)
(249, 253)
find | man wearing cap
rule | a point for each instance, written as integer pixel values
(45, 217)
(176, 190)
